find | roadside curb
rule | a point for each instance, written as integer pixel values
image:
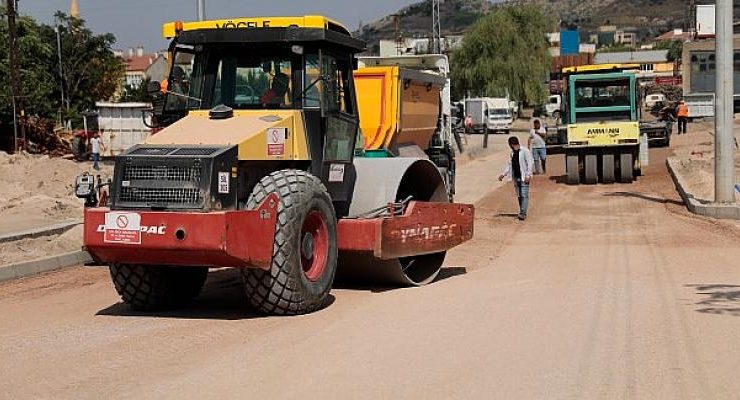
(28, 268)
(718, 211)
(38, 232)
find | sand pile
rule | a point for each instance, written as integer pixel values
(31, 249)
(38, 190)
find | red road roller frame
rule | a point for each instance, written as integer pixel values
(244, 238)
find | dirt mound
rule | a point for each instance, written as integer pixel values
(39, 190)
(31, 249)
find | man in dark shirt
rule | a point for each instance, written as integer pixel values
(516, 169)
(519, 169)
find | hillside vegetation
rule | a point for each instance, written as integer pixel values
(650, 17)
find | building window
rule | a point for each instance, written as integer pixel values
(134, 80)
(647, 67)
(703, 62)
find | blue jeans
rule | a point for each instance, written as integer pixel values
(522, 193)
(96, 159)
(540, 156)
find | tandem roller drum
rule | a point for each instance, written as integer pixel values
(387, 180)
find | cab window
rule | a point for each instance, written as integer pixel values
(247, 83)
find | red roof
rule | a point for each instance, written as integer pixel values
(672, 35)
(138, 63)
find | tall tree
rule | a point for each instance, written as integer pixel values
(91, 72)
(37, 86)
(505, 52)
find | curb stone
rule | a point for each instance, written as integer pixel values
(719, 211)
(28, 268)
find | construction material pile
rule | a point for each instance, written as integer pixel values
(39, 190)
(43, 138)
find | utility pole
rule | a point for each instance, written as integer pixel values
(398, 34)
(436, 28)
(61, 70)
(724, 164)
(201, 9)
(15, 86)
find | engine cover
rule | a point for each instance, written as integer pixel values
(155, 177)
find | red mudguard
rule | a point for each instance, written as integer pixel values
(424, 228)
(214, 239)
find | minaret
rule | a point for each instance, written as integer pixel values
(74, 9)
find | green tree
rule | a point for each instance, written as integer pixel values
(91, 72)
(40, 83)
(674, 47)
(137, 94)
(504, 52)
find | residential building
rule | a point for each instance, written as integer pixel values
(626, 37)
(653, 63)
(140, 66)
(421, 45)
(674, 35)
(700, 68)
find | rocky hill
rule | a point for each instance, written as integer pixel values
(649, 17)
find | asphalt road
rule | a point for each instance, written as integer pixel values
(609, 291)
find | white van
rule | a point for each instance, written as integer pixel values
(652, 99)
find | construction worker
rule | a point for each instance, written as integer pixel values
(96, 145)
(538, 147)
(469, 124)
(682, 112)
(279, 86)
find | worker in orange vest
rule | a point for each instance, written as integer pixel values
(682, 112)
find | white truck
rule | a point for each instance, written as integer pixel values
(500, 118)
(491, 114)
(553, 106)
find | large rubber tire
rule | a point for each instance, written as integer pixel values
(591, 169)
(150, 287)
(302, 270)
(626, 168)
(573, 169)
(607, 168)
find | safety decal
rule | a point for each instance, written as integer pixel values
(276, 141)
(122, 227)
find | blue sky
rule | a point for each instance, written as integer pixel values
(139, 22)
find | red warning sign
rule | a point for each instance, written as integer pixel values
(276, 141)
(122, 228)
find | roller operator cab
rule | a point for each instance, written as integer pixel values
(603, 128)
(260, 166)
